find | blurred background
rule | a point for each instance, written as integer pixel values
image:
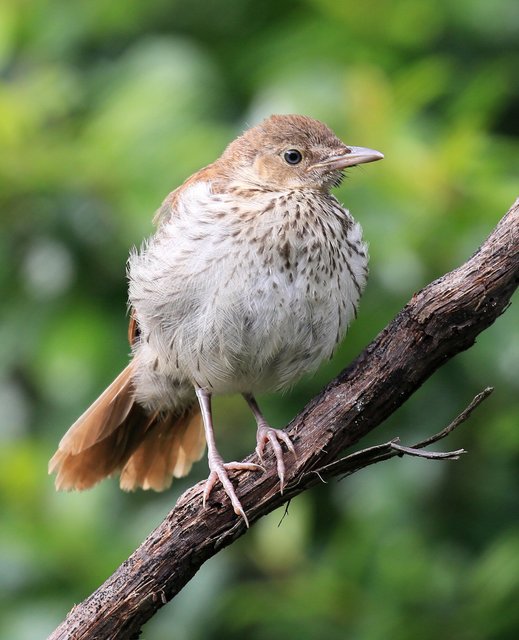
(105, 107)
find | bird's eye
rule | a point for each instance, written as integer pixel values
(293, 156)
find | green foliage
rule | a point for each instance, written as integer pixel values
(107, 106)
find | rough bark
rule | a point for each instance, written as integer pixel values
(438, 322)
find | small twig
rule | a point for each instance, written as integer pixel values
(319, 476)
(366, 457)
(431, 455)
(464, 415)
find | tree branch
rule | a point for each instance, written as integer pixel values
(440, 321)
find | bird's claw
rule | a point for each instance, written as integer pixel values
(266, 434)
(219, 472)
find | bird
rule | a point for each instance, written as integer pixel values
(250, 281)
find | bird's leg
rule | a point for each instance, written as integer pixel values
(217, 468)
(266, 433)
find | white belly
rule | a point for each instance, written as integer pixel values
(234, 311)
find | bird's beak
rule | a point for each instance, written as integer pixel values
(350, 157)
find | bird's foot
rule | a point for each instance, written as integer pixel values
(266, 434)
(219, 472)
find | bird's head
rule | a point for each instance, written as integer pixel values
(292, 152)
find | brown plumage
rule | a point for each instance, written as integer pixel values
(251, 280)
(116, 435)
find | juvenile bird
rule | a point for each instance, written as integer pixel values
(250, 281)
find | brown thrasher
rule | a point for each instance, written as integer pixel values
(250, 281)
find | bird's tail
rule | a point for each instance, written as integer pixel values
(116, 435)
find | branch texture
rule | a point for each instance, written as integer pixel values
(438, 322)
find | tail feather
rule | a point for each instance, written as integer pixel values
(86, 468)
(116, 435)
(168, 450)
(191, 447)
(105, 415)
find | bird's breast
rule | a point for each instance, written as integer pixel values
(247, 294)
